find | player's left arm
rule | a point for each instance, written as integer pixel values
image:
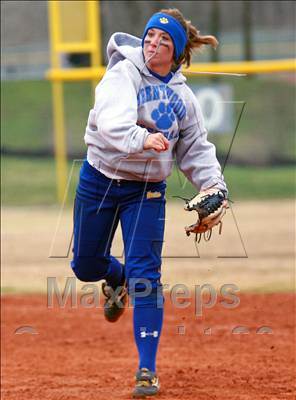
(196, 156)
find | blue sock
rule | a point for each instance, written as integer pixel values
(115, 274)
(147, 329)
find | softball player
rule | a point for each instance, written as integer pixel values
(144, 117)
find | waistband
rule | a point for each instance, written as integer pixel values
(97, 171)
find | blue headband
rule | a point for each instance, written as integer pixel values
(171, 26)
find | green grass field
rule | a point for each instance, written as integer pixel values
(266, 136)
(27, 181)
(266, 133)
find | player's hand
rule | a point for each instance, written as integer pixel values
(156, 141)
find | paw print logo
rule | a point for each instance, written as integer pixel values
(163, 116)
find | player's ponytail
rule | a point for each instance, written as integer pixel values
(195, 40)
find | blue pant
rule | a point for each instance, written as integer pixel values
(99, 206)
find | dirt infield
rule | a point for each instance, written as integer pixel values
(76, 355)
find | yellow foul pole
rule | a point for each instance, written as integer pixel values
(58, 103)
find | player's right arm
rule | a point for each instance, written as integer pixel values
(112, 123)
(156, 141)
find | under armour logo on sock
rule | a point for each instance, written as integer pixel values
(144, 333)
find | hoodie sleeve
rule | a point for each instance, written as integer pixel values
(196, 156)
(115, 112)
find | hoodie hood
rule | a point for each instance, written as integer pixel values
(123, 46)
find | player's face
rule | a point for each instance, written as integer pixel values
(158, 44)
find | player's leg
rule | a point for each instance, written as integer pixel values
(95, 222)
(143, 230)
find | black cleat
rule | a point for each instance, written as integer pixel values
(115, 301)
(147, 384)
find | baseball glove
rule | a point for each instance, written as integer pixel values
(210, 206)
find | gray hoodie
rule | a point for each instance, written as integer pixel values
(130, 104)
